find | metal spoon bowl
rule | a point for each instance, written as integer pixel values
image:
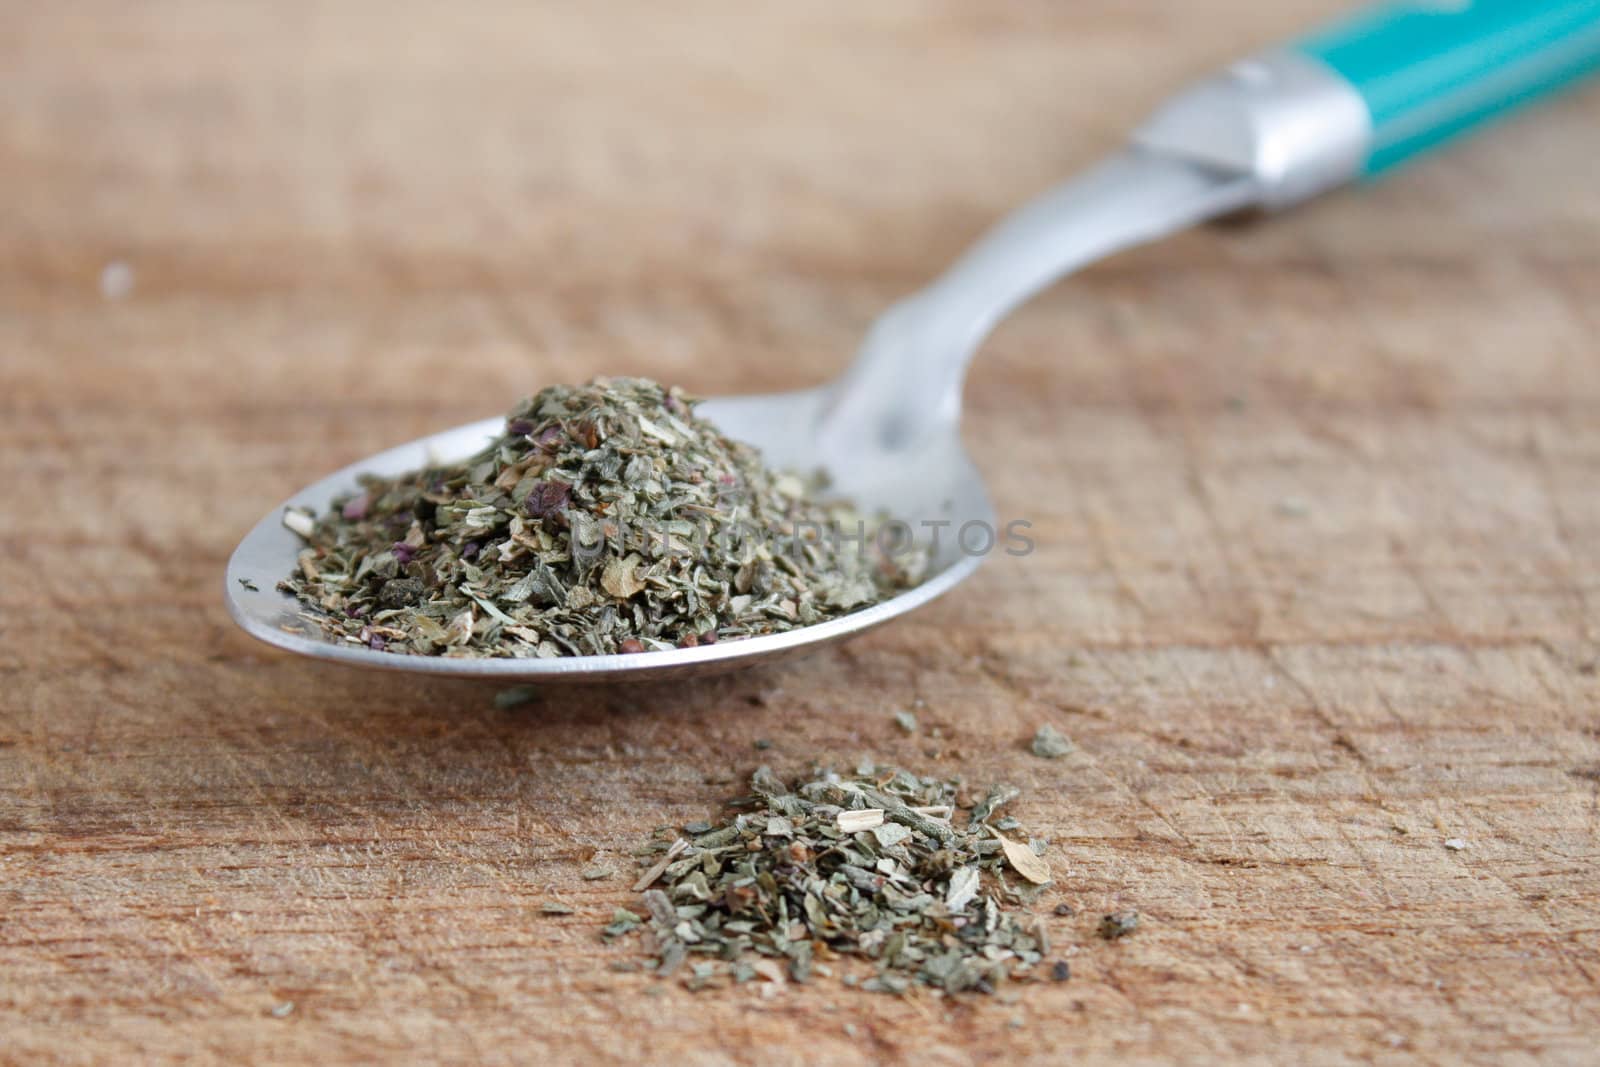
(948, 489)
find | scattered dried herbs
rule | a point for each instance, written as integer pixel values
(1119, 924)
(1050, 743)
(606, 518)
(1025, 860)
(874, 866)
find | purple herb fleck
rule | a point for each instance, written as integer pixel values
(548, 498)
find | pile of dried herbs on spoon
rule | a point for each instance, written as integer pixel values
(884, 867)
(606, 518)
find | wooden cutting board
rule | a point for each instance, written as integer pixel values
(1316, 506)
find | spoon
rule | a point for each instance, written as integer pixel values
(1266, 133)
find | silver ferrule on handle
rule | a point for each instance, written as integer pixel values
(1282, 118)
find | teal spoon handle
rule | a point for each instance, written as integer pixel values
(1374, 90)
(1430, 71)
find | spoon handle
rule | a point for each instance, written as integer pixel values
(1359, 97)
(1428, 72)
(1348, 102)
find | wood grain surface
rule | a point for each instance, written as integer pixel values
(1316, 504)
